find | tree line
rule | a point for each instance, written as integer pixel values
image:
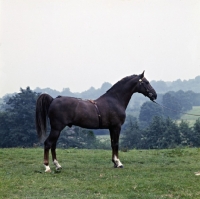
(17, 124)
(185, 85)
(172, 105)
(161, 133)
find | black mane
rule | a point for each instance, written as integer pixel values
(120, 83)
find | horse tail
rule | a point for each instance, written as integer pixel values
(41, 114)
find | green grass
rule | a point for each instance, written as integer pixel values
(191, 119)
(147, 174)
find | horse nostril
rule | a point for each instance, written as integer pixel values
(150, 95)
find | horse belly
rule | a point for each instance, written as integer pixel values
(86, 119)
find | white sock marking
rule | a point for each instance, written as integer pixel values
(58, 166)
(117, 161)
(47, 168)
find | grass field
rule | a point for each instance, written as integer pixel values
(191, 119)
(147, 174)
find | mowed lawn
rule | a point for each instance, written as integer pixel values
(146, 174)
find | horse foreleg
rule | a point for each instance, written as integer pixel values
(114, 134)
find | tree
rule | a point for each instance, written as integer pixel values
(162, 133)
(131, 135)
(186, 134)
(154, 133)
(4, 129)
(148, 111)
(173, 106)
(185, 99)
(196, 133)
(19, 119)
(77, 137)
(171, 135)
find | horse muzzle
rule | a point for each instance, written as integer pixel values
(152, 96)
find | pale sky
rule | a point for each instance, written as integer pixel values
(77, 44)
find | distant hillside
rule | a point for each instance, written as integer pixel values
(137, 100)
(160, 87)
(91, 93)
(185, 85)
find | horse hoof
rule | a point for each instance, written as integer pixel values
(121, 166)
(47, 168)
(197, 173)
(48, 171)
(58, 169)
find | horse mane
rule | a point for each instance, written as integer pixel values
(120, 83)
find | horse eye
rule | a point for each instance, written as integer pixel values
(147, 82)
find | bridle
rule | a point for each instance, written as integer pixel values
(147, 87)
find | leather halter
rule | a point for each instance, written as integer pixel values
(148, 87)
(98, 112)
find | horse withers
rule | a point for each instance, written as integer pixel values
(106, 112)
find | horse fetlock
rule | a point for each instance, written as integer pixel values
(47, 168)
(58, 166)
(117, 162)
(118, 166)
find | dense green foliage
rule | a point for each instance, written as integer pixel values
(173, 105)
(160, 134)
(17, 125)
(77, 137)
(147, 174)
(147, 111)
(179, 102)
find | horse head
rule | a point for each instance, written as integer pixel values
(145, 88)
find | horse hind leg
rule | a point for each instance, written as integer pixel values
(47, 146)
(50, 143)
(55, 161)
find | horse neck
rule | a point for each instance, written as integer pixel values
(123, 95)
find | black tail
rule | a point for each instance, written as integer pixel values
(42, 107)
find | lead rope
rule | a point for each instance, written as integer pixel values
(175, 110)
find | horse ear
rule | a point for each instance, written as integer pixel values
(141, 75)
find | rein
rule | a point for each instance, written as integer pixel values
(175, 110)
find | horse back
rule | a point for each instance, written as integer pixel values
(73, 111)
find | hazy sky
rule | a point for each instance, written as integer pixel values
(77, 44)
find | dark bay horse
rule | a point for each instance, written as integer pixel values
(106, 112)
